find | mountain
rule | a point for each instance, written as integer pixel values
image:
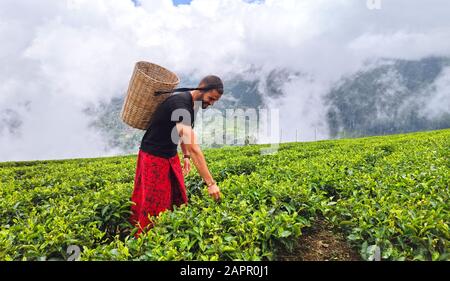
(10, 121)
(243, 91)
(387, 96)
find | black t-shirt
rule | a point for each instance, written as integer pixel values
(161, 138)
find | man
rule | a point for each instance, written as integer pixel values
(159, 182)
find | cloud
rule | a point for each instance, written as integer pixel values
(401, 44)
(57, 57)
(440, 102)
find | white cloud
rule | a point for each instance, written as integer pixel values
(401, 44)
(57, 56)
(439, 103)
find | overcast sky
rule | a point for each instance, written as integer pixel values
(57, 56)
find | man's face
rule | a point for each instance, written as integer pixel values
(209, 98)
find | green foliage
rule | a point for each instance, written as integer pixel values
(390, 193)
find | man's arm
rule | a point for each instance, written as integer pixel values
(183, 148)
(192, 148)
(186, 161)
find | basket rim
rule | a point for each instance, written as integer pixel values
(159, 66)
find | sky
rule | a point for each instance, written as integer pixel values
(181, 2)
(175, 2)
(59, 56)
(178, 2)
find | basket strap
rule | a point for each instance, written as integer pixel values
(158, 93)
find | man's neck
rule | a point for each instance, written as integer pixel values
(195, 96)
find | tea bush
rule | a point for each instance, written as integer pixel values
(390, 191)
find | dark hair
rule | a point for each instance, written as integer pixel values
(211, 82)
(208, 83)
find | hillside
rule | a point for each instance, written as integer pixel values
(390, 96)
(390, 192)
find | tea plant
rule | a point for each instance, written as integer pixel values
(389, 193)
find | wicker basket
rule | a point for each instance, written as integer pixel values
(141, 102)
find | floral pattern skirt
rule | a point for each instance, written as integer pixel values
(158, 185)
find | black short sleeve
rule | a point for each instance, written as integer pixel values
(182, 112)
(160, 139)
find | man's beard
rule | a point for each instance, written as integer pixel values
(204, 104)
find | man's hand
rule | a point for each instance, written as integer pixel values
(186, 166)
(214, 191)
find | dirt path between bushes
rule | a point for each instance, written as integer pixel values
(321, 243)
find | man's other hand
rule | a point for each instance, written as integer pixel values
(186, 166)
(214, 192)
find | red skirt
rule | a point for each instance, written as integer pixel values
(158, 185)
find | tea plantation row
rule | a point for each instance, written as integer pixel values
(391, 192)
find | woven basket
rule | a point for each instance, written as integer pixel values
(141, 102)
